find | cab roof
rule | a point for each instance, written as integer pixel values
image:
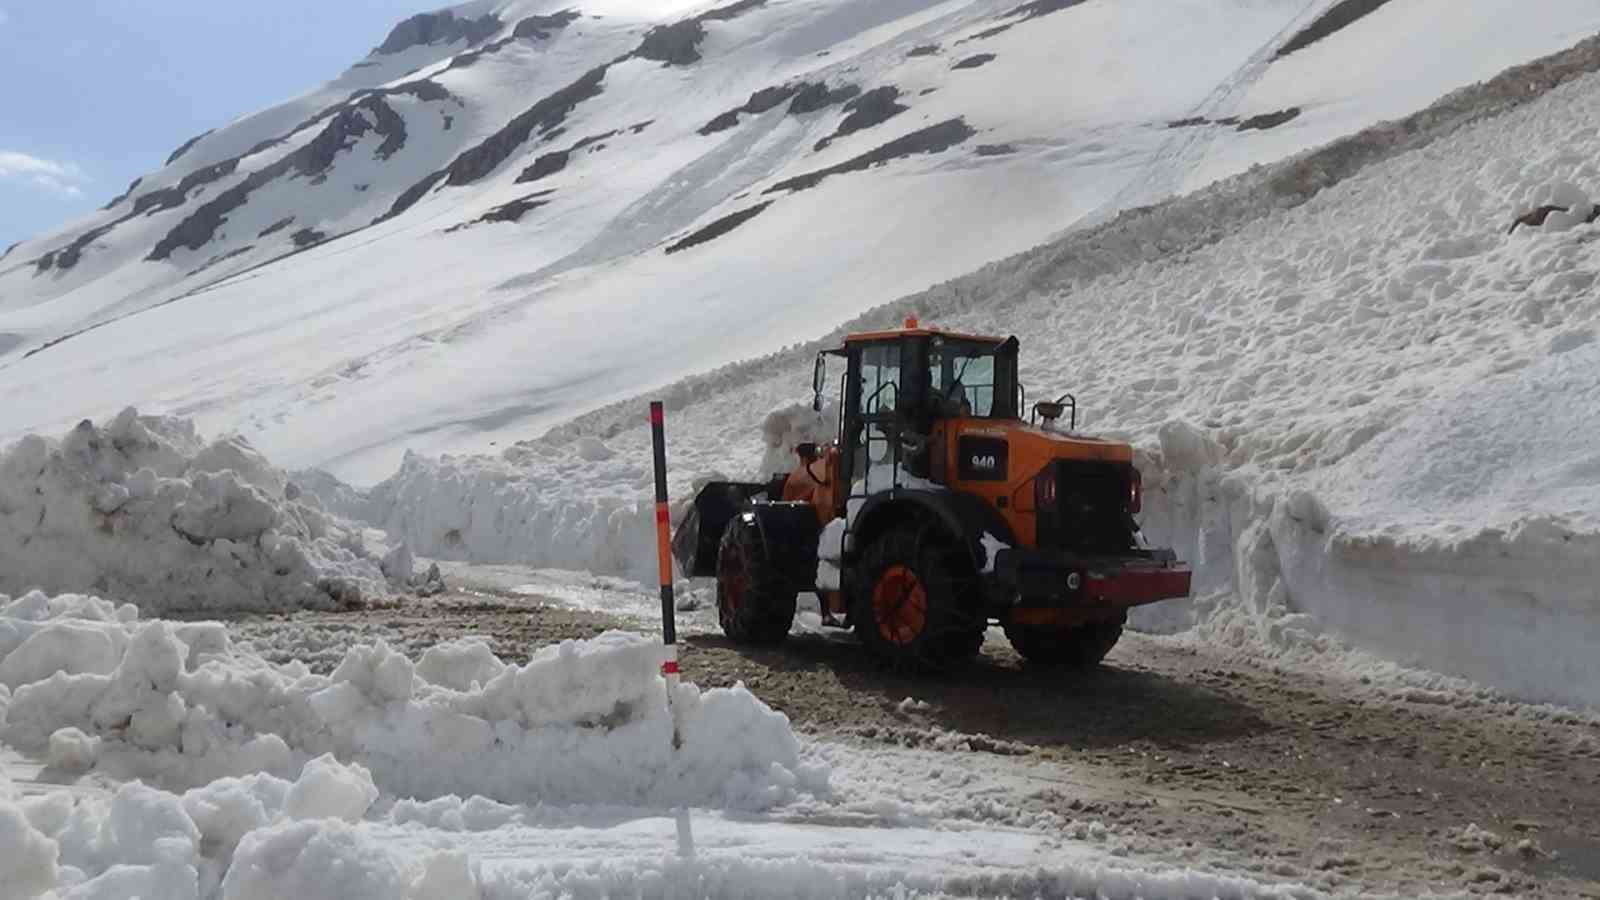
(914, 329)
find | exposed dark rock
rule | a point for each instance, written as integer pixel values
(719, 228)
(68, 256)
(9, 249)
(509, 212)
(1200, 121)
(132, 186)
(1024, 13)
(175, 196)
(449, 122)
(814, 97)
(636, 129)
(545, 166)
(442, 27)
(305, 237)
(926, 91)
(550, 163)
(933, 139)
(988, 33)
(1341, 16)
(972, 62)
(759, 102)
(996, 149)
(678, 44)
(411, 195)
(311, 160)
(924, 50)
(540, 27)
(1042, 8)
(722, 122)
(1270, 120)
(1535, 218)
(545, 115)
(872, 108)
(220, 258)
(187, 146)
(388, 123)
(276, 227)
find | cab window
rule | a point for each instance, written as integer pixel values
(963, 377)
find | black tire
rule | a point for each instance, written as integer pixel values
(755, 600)
(1066, 646)
(935, 629)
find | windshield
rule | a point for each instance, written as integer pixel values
(962, 376)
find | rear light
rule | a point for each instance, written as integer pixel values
(1044, 489)
(1136, 492)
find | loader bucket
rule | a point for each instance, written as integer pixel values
(695, 543)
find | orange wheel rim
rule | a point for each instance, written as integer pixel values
(900, 605)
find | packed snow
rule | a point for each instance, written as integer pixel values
(462, 775)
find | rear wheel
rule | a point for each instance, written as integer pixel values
(755, 600)
(910, 602)
(1066, 646)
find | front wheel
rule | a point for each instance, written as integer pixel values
(755, 600)
(910, 603)
(1066, 646)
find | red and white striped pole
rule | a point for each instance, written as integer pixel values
(669, 628)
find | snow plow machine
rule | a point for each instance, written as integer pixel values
(938, 512)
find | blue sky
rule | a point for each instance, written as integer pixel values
(96, 93)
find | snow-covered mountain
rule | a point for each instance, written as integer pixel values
(513, 211)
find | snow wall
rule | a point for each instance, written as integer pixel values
(1366, 406)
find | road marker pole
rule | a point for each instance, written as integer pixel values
(669, 628)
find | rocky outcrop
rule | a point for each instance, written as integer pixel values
(509, 212)
(817, 97)
(68, 256)
(541, 27)
(759, 102)
(933, 139)
(1267, 121)
(1341, 16)
(678, 44)
(188, 145)
(719, 228)
(973, 62)
(369, 115)
(872, 108)
(550, 163)
(442, 27)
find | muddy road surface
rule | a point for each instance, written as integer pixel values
(1186, 754)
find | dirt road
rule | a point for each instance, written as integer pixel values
(1186, 755)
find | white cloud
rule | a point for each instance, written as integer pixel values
(60, 177)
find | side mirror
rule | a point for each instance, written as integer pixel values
(819, 380)
(806, 451)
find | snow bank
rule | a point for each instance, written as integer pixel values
(1364, 404)
(582, 722)
(141, 508)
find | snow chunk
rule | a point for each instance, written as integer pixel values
(460, 664)
(28, 858)
(73, 751)
(321, 860)
(328, 789)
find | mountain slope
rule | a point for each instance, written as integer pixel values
(465, 238)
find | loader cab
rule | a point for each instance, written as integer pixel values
(899, 389)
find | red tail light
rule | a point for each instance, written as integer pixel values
(1136, 492)
(1044, 489)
